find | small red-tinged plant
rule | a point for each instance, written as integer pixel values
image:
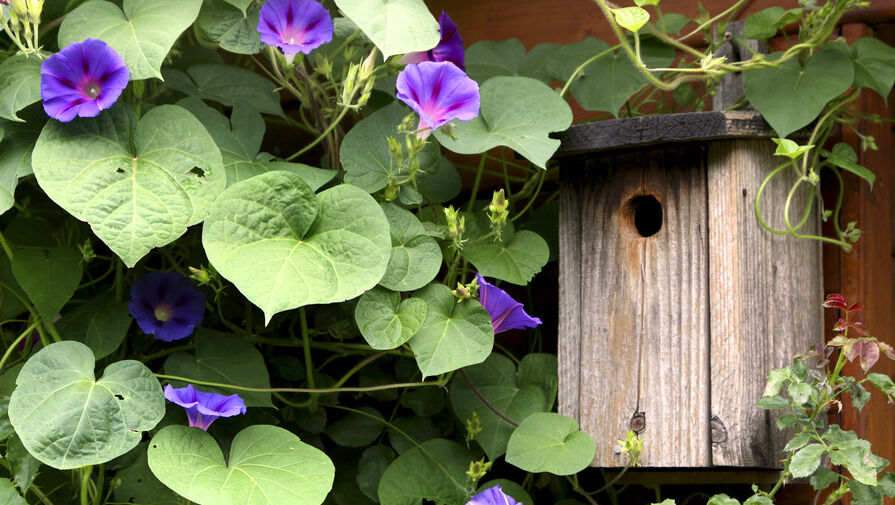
(862, 346)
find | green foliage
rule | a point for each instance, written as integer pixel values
(19, 85)
(67, 419)
(266, 465)
(548, 442)
(434, 470)
(386, 321)
(395, 26)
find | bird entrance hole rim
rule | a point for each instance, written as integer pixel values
(642, 216)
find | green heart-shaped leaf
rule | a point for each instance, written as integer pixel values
(631, 18)
(453, 335)
(68, 419)
(516, 258)
(267, 466)
(434, 471)
(549, 442)
(16, 145)
(227, 84)
(395, 26)
(517, 112)
(225, 359)
(516, 395)
(285, 247)
(19, 85)
(134, 198)
(142, 34)
(385, 321)
(874, 65)
(9, 495)
(232, 27)
(416, 257)
(365, 154)
(49, 277)
(791, 96)
(488, 58)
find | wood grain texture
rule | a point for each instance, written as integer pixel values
(569, 353)
(643, 307)
(764, 297)
(730, 89)
(652, 130)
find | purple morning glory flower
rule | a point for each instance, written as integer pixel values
(438, 92)
(506, 313)
(492, 496)
(82, 80)
(449, 48)
(166, 305)
(295, 26)
(203, 408)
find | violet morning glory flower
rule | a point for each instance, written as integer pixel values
(203, 408)
(492, 496)
(438, 92)
(166, 305)
(295, 26)
(449, 48)
(506, 313)
(81, 80)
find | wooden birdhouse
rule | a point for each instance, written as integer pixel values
(674, 302)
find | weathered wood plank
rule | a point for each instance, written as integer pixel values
(765, 292)
(569, 352)
(652, 130)
(643, 320)
(730, 89)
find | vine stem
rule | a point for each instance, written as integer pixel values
(484, 401)
(85, 487)
(318, 391)
(15, 342)
(323, 135)
(581, 68)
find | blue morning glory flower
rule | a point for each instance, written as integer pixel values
(438, 92)
(492, 496)
(295, 26)
(82, 80)
(449, 48)
(506, 313)
(203, 408)
(166, 305)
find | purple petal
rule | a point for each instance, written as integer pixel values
(68, 76)
(492, 496)
(506, 313)
(178, 297)
(438, 92)
(203, 408)
(449, 48)
(295, 26)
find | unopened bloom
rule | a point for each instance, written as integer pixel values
(438, 92)
(295, 26)
(203, 408)
(166, 305)
(492, 496)
(506, 313)
(449, 48)
(82, 80)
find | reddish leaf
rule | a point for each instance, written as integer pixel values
(866, 350)
(855, 307)
(836, 301)
(887, 349)
(840, 325)
(838, 341)
(859, 328)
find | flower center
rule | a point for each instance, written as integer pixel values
(163, 313)
(91, 89)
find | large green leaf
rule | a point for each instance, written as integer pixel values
(137, 484)
(9, 495)
(416, 257)
(48, 276)
(267, 466)
(227, 84)
(365, 154)
(791, 96)
(285, 247)
(370, 468)
(486, 59)
(874, 65)
(385, 321)
(395, 26)
(357, 430)
(100, 323)
(434, 471)
(138, 184)
(609, 81)
(233, 28)
(549, 442)
(68, 419)
(19, 84)
(225, 359)
(142, 34)
(453, 335)
(516, 258)
(515, 395)
(15, 152)
(23, 465)
(517, 112)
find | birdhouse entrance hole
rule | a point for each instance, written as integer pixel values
(645, 213)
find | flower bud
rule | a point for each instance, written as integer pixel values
(34, 8)
(200, 275)
(478, 469)
(368, 65)
(322, 65)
